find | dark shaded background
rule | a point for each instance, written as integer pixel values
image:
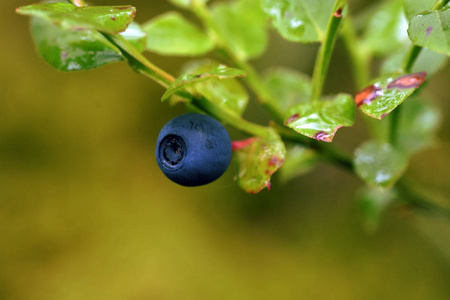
(85, 212)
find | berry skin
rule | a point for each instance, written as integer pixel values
(193, 149)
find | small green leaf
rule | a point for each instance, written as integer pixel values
(417, 126)
(71, 50)
(287, 87)
(321, 119)
(172, 34)
(380, 98)
(228, 93)
(299, 160)
(387, 29)
(379, 164)
(428, 61)
(430, 29)
(108, 19)
(241, 27)
(373, 204)
(135, 36)
(221, 72)
(300, 20)
(258, 161)
(415, 7)
(188, 3)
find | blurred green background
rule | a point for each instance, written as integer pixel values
(85, 212)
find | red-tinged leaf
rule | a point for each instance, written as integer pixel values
(257, 159)
(239, 145)
(383, 96)
(321, 119)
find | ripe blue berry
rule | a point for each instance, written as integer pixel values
(193, 149)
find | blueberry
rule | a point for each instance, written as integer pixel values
(193, 149)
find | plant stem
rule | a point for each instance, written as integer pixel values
(326, 49)
(233, 120)
(440, 4)
(359, 57)
(252, 79)
(135, 59)
(393, 126)
(139, 62)
(422, 198)
(410, 59)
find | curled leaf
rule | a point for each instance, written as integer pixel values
(257, 159)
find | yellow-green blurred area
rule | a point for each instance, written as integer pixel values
(85, 213)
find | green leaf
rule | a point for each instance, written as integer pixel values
(321, 119)
(258, 161)
(300, 20)
(71, 50)
(417, 126)
(387, 29)
(379, 164)
(227, 94)
(172, 34)
(299, 160)
(428, 61)
(241, 27)
(431, 29)
(415, 7)
(373, 204)
(287, 87)
(188, 3)
(388, 92)
(108, 19)
(221, 72)
(135, 36)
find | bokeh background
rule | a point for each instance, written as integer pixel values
(85, 212)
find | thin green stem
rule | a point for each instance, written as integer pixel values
(135, 59)
(139, 62)
(422, 198)
(359, 57)
(257, 86)
(393, 126)
(231, 119)
(440, 4)
(408, 63)
(411, 58)
(324, 56)
(252, 79)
